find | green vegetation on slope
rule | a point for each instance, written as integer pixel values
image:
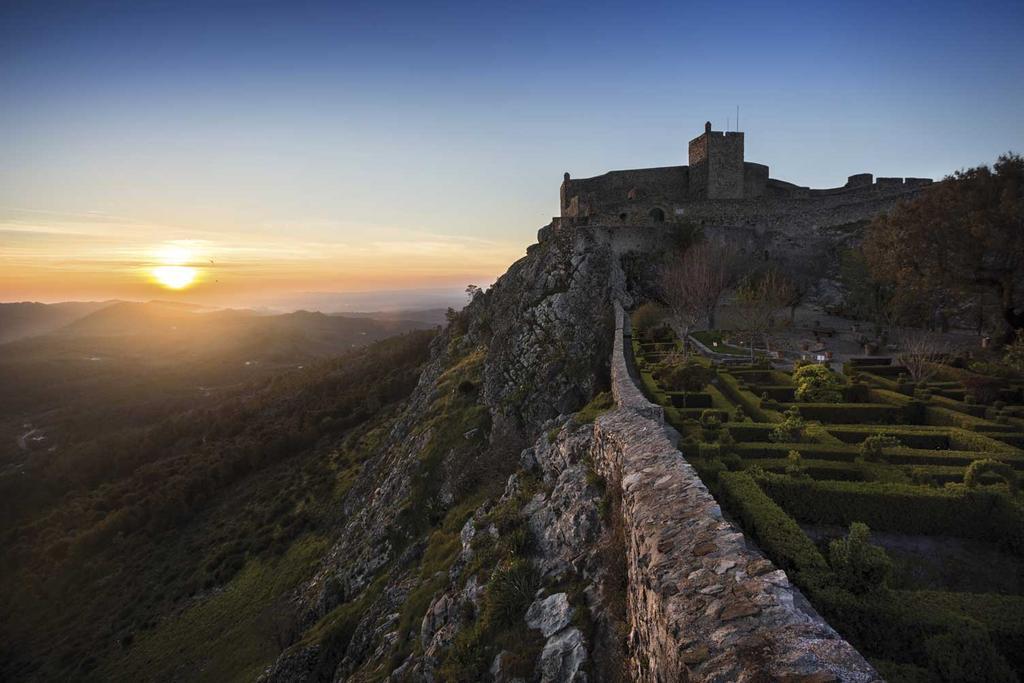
(164, 537)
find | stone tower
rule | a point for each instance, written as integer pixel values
(716, 165)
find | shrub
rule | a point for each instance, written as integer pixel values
(987, 465)
(816, 384)
(859, 566)
(872, 449)
(791, 429)
(710, 424)
(795, 464)
(738, 415)
(688, 376)
(509, 593)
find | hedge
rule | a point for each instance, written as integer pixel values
(889, 384)
(751, 404)
(887, 371)
(760, 376)
(897, 625)
(1012, 439)
(857, 363)
(965, 440)
(782, 394)
(915, 456)
(855, 413)
(777, 533)
(1002, 615)
(972, 409)
(750, 431)
(770, 450)
(820, 470)
(902, 508)
(912, 409)
(944, 417)
(914, 438)
(689, 399)
(758, 450)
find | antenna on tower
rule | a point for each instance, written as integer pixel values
(737, 118)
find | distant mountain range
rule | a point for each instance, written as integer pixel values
(27, 319)
(121, 318)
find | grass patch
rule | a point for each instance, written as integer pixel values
(224, 637)
(598, 406)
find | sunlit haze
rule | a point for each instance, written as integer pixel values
(326, 147)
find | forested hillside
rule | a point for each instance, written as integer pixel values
(131, 551)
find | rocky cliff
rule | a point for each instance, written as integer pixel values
(498, 529)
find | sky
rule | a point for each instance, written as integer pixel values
(274, 148)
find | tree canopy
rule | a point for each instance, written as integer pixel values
(960, 239)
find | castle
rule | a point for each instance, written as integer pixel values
(720, 188)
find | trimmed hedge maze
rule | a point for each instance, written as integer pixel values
(945, 600)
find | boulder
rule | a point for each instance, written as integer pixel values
(562, 658)
(550, 615)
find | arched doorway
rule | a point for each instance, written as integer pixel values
(657, 215)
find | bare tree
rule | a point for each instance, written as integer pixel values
(693, 285)
(804, 274)
(919, 351)
(758, 302)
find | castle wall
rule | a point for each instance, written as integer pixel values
(634, 193)
(704, 603)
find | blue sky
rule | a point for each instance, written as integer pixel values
(438, 133)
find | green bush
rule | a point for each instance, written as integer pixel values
(687, 376)
(859, 566)
(1001, 469)
(791, 429)
(795, 464)
(816, 384)
(872, 449)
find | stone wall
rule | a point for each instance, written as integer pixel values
(704, 603)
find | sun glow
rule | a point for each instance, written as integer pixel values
(174, 277)
(175, 273)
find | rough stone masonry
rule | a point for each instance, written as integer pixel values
(704, 603)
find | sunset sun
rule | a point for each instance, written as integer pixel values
(174, 277)
(174, 271)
